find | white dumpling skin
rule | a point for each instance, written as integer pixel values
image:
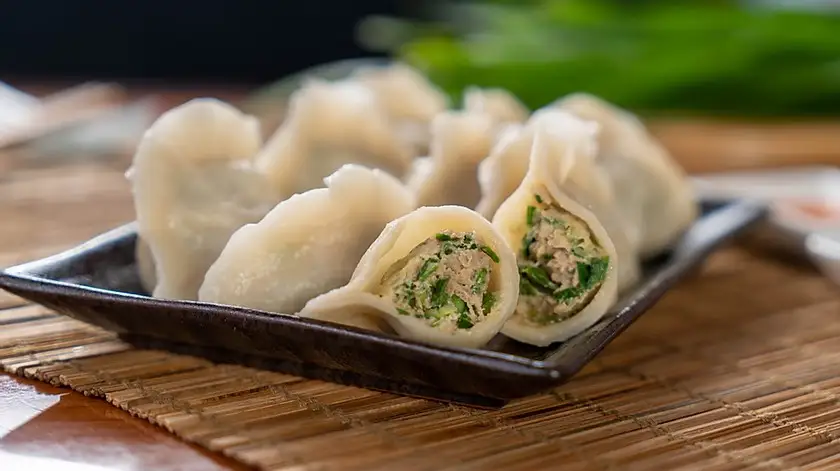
(501, 105)
(563, 138)
(308, 244)
(193, 187)
(409, 99)
(501, 173)
(460, 141)
(358, 298)
(559, 146)
(656, 197)
(330, 124)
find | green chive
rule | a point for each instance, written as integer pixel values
(439, 296)
(443, 237)
(584, 272)
(527, 240)
(598, 270)
(539, 277)
(555, 222)
(490, 253)
(480, 280)
(464, 321)
(429, 267)
(487, 302)
(529, 215)
(538, 198)
(579, 251)
(526, 288)
(403, 312)
(460, 304)
(567, 294)
(444, 311)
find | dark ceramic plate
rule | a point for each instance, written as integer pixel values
(97, 283)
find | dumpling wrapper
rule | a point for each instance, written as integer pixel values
(460, 141)
(307, 245)
(193, 186)
(409, 99)
(502, 173)
(657, 199)
(562, 145)
(331, 124)
(359, 297)
(501, 105)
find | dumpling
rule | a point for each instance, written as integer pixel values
(410, 100)
(460, 141)
(501, 173)
(656, 200)
(568, 264)
(193, 187)
(308, 244)
(331, 124)
(498, 103)
(441, 275)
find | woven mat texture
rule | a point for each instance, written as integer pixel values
(737, 368)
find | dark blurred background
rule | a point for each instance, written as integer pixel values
(710, 57)
(184, 40)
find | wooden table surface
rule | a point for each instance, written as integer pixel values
(40, 424)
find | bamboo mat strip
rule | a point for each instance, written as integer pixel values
(739, 368)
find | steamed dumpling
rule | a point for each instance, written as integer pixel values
(460, 141)
(568, 264)
(409, 99)
(502, 106)
(193, 186)
(568, 141)
(331, 124)
(308, 244)
(501, 173)
(441, 275)
(656, 197)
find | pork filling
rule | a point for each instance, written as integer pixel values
(561, 265)
(445, 280)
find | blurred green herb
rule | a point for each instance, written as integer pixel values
(709, 57)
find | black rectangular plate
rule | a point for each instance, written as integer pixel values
(97, 283)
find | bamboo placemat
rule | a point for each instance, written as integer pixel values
(737, 368)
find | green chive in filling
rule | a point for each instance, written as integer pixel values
(446, 280)
(561, 265)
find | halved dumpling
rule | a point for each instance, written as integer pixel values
(441, 275)
(567, 261)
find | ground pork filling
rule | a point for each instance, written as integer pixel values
(446, 280)
(561, 265)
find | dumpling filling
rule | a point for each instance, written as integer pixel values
(446, 280)
(561, 265)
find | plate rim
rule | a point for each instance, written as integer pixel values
(29, 277)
